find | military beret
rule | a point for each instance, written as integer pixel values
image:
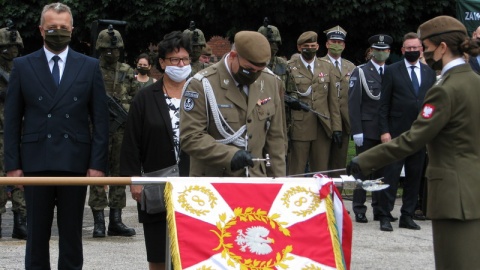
(307, 37)
(253, 46)
(380, 41)
(207, 50)
(336, 32)
(440, 25)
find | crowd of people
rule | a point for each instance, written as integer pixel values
(67, 114)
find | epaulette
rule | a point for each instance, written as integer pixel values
(209, 71)
(268, 71)
(348, 61)
(325, 60)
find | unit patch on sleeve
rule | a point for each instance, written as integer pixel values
(188, 104)
(428, 110)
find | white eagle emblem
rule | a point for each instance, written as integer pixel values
(427, 111)
(255, 239)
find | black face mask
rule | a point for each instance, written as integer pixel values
(9, 52)
(245, 77)
(412, 56)
(309, 53)
(110, 56)
(143, 70)
(434, 64)
(57, 39)
(196, 52)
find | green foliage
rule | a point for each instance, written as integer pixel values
(149, 20)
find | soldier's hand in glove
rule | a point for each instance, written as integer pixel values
(337, 138)
(353, 168)
(240, 160)
(296, 104)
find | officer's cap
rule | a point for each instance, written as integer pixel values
(207, 50)
(380, 41)
(440, 25)
(336, 32)
(307, 37)
(253, 46)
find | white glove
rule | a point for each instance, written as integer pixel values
(358, 139)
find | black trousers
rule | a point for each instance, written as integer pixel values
(41, 202)
(413, 175)
(360, 195)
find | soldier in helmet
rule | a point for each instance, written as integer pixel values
(119, 81)
(10, 44)
(277, 64)
(198, 43)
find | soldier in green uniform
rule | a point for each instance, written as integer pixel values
(445, 126)
(276, 64)
(120, 84)
(198, 43)
(10, 44)
(231, 112)
(206, 54)
(312, 81)
(343, 69)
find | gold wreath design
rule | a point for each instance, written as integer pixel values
(314, 204)
(250, 215)
(182, 199)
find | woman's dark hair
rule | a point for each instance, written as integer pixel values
(144, 56)
(458, 43)
(173, 41)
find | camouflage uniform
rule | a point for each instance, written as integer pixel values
(10, 43)
(119, 79)
(198, 43)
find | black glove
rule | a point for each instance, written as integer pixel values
(296, 104)
(240, 160)
(354, 168)
(337, 138)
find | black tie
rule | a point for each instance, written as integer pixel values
(56, 70)
(310, 69)
(416, 85)
(381, 71)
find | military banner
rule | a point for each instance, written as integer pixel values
(468, 12)
(257, 223)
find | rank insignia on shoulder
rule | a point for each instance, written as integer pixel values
(188, 104)
(190, 94)
(427, 111)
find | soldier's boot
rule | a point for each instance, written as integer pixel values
(19, 226)
(98, 223)
(116, 226)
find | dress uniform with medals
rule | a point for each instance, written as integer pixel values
(363, 108)
(312, 81)
(225, 124)
(444, 125)
(343, 71)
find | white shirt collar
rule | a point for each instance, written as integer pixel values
(452, 64)
(377, 66)
(306, 64)
(408, 65)
(333, 60)
(228, 69)
(62, 55)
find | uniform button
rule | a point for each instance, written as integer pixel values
(40, 98)
(249, 120)
(65, 136)
(49, 115)
(49, 136)
(74, 98)
(67, 116)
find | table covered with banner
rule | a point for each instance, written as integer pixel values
(257, 223)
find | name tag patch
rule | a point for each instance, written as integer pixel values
(190, 94)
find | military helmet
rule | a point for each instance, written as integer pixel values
(10, 37)
(197, 37)
(271, 33)
(109, 38)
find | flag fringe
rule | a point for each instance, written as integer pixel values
(332, 226)
(172, 228)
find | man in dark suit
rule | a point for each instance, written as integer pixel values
(56, 125)
(363, 105)
(403, 90)
(474, 61)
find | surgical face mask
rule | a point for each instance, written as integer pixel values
(57, 39)
(412, 56)
(381, 56)
(143, 70)
(308, 53)
(244, 76)
(336, 49)
(434, 64)
(178, 74)
(110, 56)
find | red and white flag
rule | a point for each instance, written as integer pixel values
(258, 223)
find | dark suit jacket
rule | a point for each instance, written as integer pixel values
(399, 105)
(474, 64)
(363, 110)
(50, 128)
